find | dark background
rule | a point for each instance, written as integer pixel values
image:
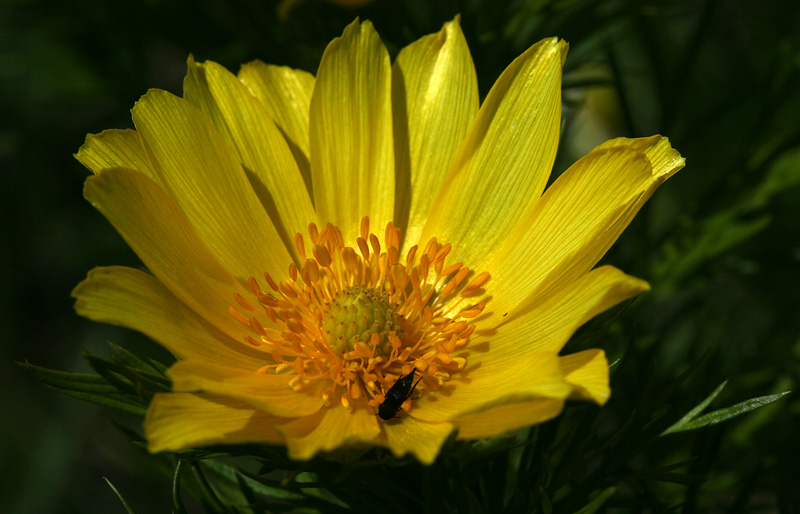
(720, 242)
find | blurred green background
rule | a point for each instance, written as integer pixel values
(720, 242)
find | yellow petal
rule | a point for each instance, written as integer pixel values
(575, 223)
(156, 229)
(134, 299)
(434, 101)
(286, 94)
(114, 149)
(176, 421)
(328, 430)
(198, 168)
(493, 382)
(508, 417)
(244, 122)
(664, 160)
(352, 157)
(550, 325)
(420, 438)
(587, 372)
(505, 160)
(269, 393)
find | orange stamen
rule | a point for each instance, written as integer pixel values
(359, 318)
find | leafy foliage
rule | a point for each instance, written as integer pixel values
(691, 421)
(535, 469)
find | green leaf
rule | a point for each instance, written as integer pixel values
(721, 415)
(87, 387)
(121, 498)
(594, 505)
(718, 416)
(115, 401)
(134, 381)
(696, 411)
(257, 485)
(234, 482)
(127, 378)
(110, 370)
(208, 494)
(177, 502)
(130, 359)
(84, 382)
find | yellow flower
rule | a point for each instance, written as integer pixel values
(310, 241)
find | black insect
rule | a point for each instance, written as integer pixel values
(396, 395)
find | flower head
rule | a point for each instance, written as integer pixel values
(312, 240)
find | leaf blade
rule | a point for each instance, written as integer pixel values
(695, 411)
(718, 416)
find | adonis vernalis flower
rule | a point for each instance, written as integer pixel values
(311, 240)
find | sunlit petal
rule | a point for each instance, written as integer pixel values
(158, 231)
(329, 429)
(587, 373)
(550, 324)
(245, 123)
(575, 223)
(505, 418)
(352, 158)
(200, 170)
(286, 94)
(492, 383)
(176, 421)
(138, 300)
(434, 100)
(269, 393)
(505, 160)
(115, 149)
(420, 438)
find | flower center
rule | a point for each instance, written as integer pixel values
(358, 313)
(348, 324)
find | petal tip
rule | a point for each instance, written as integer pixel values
(152, 94)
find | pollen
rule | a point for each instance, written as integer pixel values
(352, 320)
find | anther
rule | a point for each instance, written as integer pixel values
(363, 247)
(313, 232)
(322, 255)
(479, 280)
(283, 367)
(376, 245)
(430, 248)
(444, 357)
(241, 318)
(452, 268)
(253, 285)
(271, 283)
(300, 244)
(350, 259)
(365, 227)
(251, 341)
(443, 252)
(254, 323)
(412, 252)
(244, 303)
